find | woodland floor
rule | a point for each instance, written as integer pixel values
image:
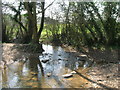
(103, 74)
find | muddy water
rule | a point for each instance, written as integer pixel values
(46, 70)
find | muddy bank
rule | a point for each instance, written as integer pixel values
(106, 68)
(39, 70)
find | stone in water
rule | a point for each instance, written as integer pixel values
(83, 55)
(59, 59)
(44, 61)
(73, 72)
(67, 75)
(49, 74)
(59, 55)
(65, 59)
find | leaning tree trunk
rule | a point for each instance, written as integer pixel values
(34, 17)
(31, 21)
(37, 35)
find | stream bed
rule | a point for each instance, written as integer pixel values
(47, 70)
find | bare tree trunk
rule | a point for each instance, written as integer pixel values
(42, 23)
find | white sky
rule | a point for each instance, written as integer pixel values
(53, 8)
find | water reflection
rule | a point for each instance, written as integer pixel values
(4, 78)
(32, 72)
(34, 63)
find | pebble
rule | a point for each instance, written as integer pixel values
(100, 80)
(65, 59)
(49, 74)
(59, 55)
(108, 77)
(73, 72)
(67, 75)
(83, 55)
(44, 61)
(45, 53)
(59, 59)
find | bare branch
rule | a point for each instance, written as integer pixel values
(46, 7)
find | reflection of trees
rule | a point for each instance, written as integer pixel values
(17, 68)
(33, 64)
(31, 78)
(4, 78)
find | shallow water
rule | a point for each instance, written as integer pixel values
(33, 72)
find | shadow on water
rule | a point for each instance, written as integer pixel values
(46, 70)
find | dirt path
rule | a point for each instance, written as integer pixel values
(104, 74)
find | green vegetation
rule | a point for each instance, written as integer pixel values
(82, 24)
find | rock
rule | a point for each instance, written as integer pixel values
(35, 74)
(83, 60)
(45, 53)
(65, 59)
(100, 80)
(108, 77)
(49, 74)
(44, 61)
(112, 62)
(83, 55)
(67, 75)
(49, 56)
(59, 55)
(77, 58)
(73, 72)
(59, 59)
(88, 63)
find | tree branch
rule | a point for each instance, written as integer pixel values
(46, 7)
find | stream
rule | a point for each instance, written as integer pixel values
(46, 70)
